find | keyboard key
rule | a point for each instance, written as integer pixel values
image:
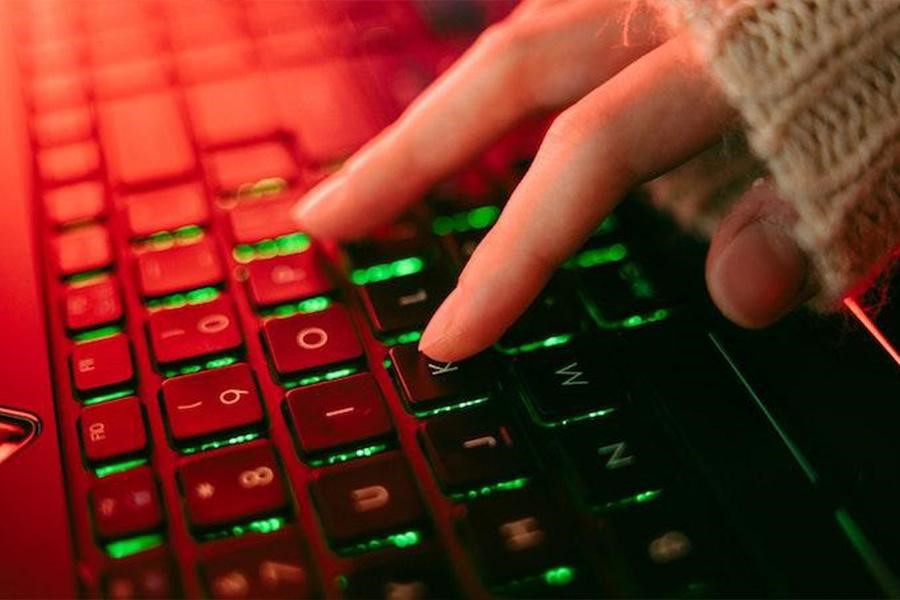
(146, 575)
(126, 503)
(427, 383)
(166, 209)
(101, 363)
(312, 341)
(404, 303)
(386, 244)
(113, 429)
(128, 79)
(264, 218)
(259, 566)
(191, 331)
(473, 447)
(367, 497)
(208, 63)
(210, 402)
(420, 572)
(553, 314)
(624, 289)
(231, 171)
(232, 110)
(285, 278)
(179, 268)
(71, 162)
(62, 127)
(146, 139)
(343, 412)
(86, 248)
(80, 202)
(65, 90)
(573, 380)
(92, 304)
(516, 534)
(236, 484)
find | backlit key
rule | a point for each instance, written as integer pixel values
(208, 63)
(126, 79)
(166, 209)
(146, 139)
(73, 203)
(113, 429)
(71, 162)
(85, 248)
(212, 401)
(312, 341)
(92, 304)
(404, 303)
(194, 330)
(126, 503)
(101, 363)
(265, 218)
(236, 484)
(62, 127)
(343, 412)
(234, 170)
(285, 278)
(147, 575)
(232, 110)
(179, 268)
(427, 383)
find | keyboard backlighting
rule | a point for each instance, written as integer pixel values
(269, 525)
(108, 396)
(405, 539)
(96, 334)
(197, 296)
(477, 218)
(134, 545)
(292, 243)
(119, 467)
(345, 456)
(383, 272)
(309, 305)
(487, 490)
(597, 256)
(213, 444)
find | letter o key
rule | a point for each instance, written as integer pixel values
(312, 338)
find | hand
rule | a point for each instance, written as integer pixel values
(637, 102)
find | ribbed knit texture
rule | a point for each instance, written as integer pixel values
(817, 83)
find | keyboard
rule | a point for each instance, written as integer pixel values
(243, 410)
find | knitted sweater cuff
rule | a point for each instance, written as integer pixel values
(817, 83)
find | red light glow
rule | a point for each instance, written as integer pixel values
(863, 318)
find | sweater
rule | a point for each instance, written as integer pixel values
(817, 86)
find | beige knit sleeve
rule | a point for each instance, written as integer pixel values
(817, 83)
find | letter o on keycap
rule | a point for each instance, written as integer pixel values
(312, 338)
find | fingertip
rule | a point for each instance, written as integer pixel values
(314, 213)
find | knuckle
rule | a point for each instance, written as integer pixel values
(569, 127)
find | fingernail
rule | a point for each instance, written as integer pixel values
(306, 208)
(440, 323)
(760, 276)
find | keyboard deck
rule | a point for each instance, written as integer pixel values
(244, 410)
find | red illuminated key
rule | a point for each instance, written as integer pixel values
(211, 402)
(207, 63)
(145, 138)
(58, 91)
(126, 503)
(338, 413)
(73, 203)
(166, 209)
(69, 163)
(101, 363)
(112, 429)
(92, 304)
(147, 575)
(194, 330)
(83, 249)
(232, 110)
(285, 278)
(64, 126)
(131, 78)
(258, 219)
(232, 170)
(312, 341)
(236, 484)
(179, 268)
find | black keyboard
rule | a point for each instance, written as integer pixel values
(244, 410)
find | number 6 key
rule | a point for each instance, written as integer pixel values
(233, 485)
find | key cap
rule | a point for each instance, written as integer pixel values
(146, 575)
(573, 380)
(232, 110)
(71, 162)
(390, 243)
(64, 90)
(259, 566)
(208, 63)
(515, 534)
(404, 303)
(92, 304)
(264, 218)
(166, 209)
(347, 411)
(472, 447)
(62, 127)
(285, 278)
(113, 429)
(146, 139)
(179, 268)
(622, 290)
(210, 402)
(126, 503)
(85, 248)
(312, 341)
(126, 43)
(236, 484)
(128, 79)
(554, 314)
(418, 572)
(101, 363)
(231, 171)
(194, 330)
(427, 383)
(367, 497)
(79, 202)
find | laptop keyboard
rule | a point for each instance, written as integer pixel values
(243, 410)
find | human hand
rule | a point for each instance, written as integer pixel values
(637, 102)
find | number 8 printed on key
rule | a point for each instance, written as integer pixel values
(258, 477)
